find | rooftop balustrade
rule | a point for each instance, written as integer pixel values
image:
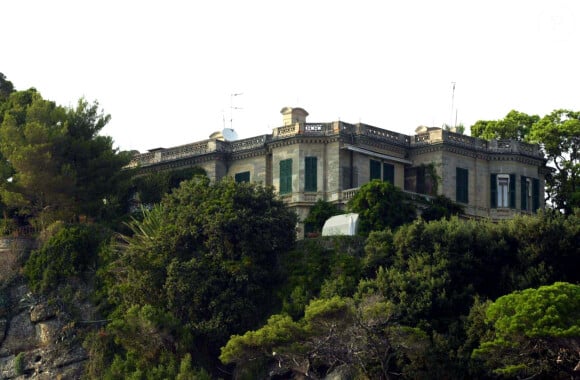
(432, 136)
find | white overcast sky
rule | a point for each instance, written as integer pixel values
(166, 70)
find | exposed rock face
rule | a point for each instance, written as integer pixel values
(39, 342)
(38, 338)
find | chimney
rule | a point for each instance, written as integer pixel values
(292, 116)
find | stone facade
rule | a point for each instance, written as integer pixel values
(309, 161)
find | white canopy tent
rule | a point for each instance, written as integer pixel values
(345, 224)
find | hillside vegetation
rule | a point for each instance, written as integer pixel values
(205, 280)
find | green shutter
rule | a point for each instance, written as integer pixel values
(375, 170)
(512, 191)
(523, 193)
(462, 185)
(493, 190)
(242, 177)
(389, 173)
(286, 176)
(535, 194)
(310, 174)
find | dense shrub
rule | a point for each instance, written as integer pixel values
(71, 251)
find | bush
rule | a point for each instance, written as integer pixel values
(70, 251)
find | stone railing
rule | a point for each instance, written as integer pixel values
(348, 194)
(382, 134)
(514, 146)
(375, 133)
(460, 139)
(286, 131)
(422, 138)
(197, 149)
(493, 146)
(178, 152)
(250, 143)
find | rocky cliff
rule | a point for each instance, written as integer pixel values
(39, 334)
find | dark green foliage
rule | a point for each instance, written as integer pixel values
(439, 266)
(320, 213)
(198, 267)
(6, 88)
(433, 272)
(72, 251)
(151, 187)
(440, 207)
(324, 266)
(381, 205)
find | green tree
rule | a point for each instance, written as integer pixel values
(559, 135)
(381, 205)
(536, 332)
(96, 164)
(6, 88)
(59, 166)
(516, 125)
(206, 257)
(150, 188)
(325, 265)
(364, 336)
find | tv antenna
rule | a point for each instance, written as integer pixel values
(232, 108)
(453, 105)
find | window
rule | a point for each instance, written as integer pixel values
(375, 170)
(462, 185)
(310, 174)
(286, 176)
(503, 190)
(530, 193)
(242, 177)
(389, 173)
(503, 182)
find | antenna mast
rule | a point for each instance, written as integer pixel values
(453, 104)
(232, 108)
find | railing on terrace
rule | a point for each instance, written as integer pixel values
(433, 136)
(250, 143)
(182, 151)
(493, 146)
(197, 149)
(325, 129)
(348, 194)
(374, 132)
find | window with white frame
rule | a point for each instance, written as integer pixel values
(503, 193)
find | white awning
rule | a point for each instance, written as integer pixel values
(378, 155)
